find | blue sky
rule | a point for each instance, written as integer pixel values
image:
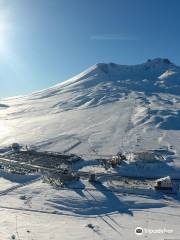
(43, 42)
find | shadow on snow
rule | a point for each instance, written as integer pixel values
(98, 201)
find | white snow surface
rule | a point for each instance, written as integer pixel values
(104, 109)
(107, 108)
(36, 210)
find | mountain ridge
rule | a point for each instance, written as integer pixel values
(105, 70)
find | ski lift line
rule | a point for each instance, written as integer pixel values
(104, 218)
(125, 137)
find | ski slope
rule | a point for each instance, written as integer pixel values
(103, 110)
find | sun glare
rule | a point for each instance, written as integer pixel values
(4, 27)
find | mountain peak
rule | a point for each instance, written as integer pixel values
(160, 61)
(152, 63)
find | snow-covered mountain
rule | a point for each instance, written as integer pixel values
(102, 110)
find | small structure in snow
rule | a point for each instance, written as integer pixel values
(92, 177)
(16, 147)
(117, 159)
(164, 184)
(146, 157)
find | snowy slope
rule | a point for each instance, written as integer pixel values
(36, 210)
(104, 109)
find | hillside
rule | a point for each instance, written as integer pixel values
(106, 109)
(103, 110)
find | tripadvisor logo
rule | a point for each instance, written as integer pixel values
(138, 231)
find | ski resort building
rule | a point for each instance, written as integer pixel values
(164, 184)
(146, 156)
